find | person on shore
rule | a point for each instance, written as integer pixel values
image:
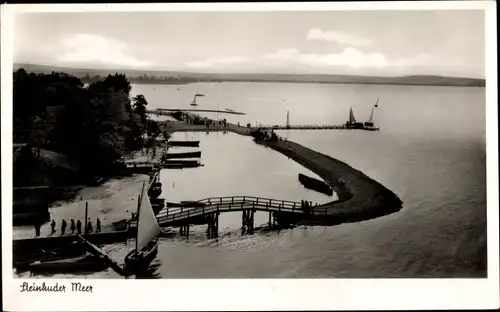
(73, 226)
(79, 227)
(53, 225)
(98, 226)
(89, 226)
(37, 228)
(63, 226)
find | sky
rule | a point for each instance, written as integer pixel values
(386, 43)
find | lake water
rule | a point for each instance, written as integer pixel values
(430, 151)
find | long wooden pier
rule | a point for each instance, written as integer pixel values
(314, 127)
(169, 111)
(305, 127)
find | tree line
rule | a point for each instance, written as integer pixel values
(94, 124)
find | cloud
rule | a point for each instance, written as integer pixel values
(89, 48)
(227, 61)
(349, 57)
(339, 37)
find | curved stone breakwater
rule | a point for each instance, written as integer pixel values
(359, 197)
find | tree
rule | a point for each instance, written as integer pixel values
(152, 128)
(95, 124)
(139, 105)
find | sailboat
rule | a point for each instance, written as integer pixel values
(146, 244)
(352, 123)
(193, 103)
(194, 99)
(369, 125)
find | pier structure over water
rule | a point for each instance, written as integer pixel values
(206, 211)
(351, 124)
(169, 111)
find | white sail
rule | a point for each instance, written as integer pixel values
(147, 225)
(371, 116)
(194, 101)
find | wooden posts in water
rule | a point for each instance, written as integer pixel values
(247, 218)
(213, 225)
(184, 230)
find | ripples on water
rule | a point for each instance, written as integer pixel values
(430, 152)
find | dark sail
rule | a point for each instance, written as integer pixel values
(351, 116)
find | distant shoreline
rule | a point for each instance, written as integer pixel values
(156, 77)
(160, 83)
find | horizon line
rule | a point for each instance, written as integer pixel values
(116, 70)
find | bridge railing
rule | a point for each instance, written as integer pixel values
(258, 200)
(230, 203)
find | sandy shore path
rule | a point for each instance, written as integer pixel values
(360, 197)
(112, 201)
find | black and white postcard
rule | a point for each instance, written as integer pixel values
(209, 156)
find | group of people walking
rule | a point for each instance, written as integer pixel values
(306, 205)
(74, 226)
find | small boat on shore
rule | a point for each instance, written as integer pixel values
(155, 190)
(171, 164)
(146, 244)
(315, 184)
(184, 143)
(158, 204)
(182, 155)
(85, 263)
(181, 162)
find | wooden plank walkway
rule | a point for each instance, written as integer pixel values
(226, 204)
(169, 111)
(306, 127)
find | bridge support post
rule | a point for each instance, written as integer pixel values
(213, 225)
(184, 230)
(269, 224)
(248, 221)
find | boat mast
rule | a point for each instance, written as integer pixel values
(371, 115)
(138, 213)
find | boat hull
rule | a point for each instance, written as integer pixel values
(154, 192)
(315, 184)
(87, 263)
(136, 263)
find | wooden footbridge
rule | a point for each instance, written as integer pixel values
(206, 211)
